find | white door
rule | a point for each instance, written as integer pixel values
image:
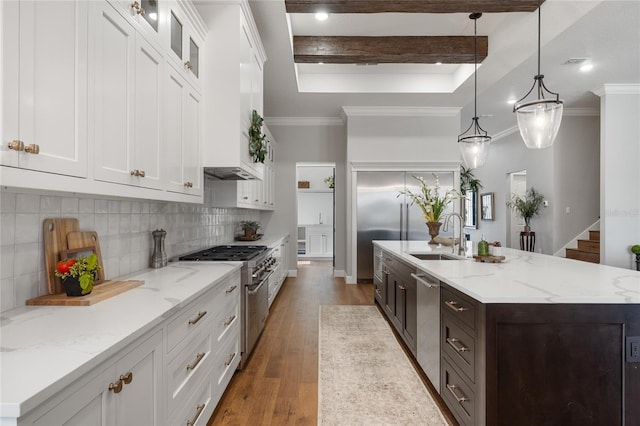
(45, 85)
(518, 186)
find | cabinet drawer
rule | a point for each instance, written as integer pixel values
(188, 368)
(457, 394)
(199, 408)
(459, 307)
(225, 321)
(226, 293)
(460, 346)
(226, 361)
(193, 318)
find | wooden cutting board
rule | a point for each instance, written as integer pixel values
(55, 240)
(489, 259)
(102, 292)
(81, 239)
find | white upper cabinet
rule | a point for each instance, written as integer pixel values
(182, 131)
(128, 89)
(44, 86)
(184, 44)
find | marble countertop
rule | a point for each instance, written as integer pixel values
(525, 277)
(45, 348)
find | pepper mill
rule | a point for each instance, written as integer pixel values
(159, 257)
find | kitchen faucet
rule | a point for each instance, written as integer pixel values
(446, 228)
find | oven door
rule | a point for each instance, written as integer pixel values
(256, 312)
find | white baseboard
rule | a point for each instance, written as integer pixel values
(337, 273)
(292, 273)
(350, 279)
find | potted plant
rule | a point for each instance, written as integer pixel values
(635, 249)
(257, 139)
(250, 228)
(527, 207)
(431, 203)
(468, 182)
(330, 181)
(78, 274)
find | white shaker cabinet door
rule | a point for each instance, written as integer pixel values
(45, 85)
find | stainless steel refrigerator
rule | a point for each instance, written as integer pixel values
(383, 215)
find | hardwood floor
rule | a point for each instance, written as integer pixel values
(280, 383)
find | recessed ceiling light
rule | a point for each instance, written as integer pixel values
(322, 16)
(438, 63)
(586, 67)
(512, 101)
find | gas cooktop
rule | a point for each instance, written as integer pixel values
(228, 253)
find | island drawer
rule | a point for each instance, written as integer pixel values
(459, 307)
(194, 317)
(457, 394)
(460, 346)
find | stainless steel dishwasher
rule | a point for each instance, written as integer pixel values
(428, 316)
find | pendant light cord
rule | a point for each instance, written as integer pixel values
(475, 68)
(539, 19)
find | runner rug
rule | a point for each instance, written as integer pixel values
(364, 376)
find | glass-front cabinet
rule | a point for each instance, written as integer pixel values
(185, 45)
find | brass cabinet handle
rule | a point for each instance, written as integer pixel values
(32, 149)
(188, 65)
(453, 306)
(198, 318)
(135, 5)
(188, 185)
(231, 357)
(141, 173)
(116, 387)
(127, 378)
(230, 289)
(229, 320)
(140, 11)
(16, 145)
(195, 363)
(136, 172)
(452, 342)
(199, 409)
(460, 399)
(245, 198)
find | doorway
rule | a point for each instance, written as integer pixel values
(517, 186)
(316, 210)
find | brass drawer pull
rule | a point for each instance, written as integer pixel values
(230, 289)
(188, 185)
(229, 320)
(141, 174)
(198, 318)
(32, 149)
(188, 65)
(195, 363)
(16, 145)
(199, 409)
(401, 287)
(460, 399)
(231, 357)
(116, 387)
(127, 378)
(452, 342)
(453, 306)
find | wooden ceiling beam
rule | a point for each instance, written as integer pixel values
(388, 50)
(411, 6)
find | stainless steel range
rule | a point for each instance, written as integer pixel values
(256, 269)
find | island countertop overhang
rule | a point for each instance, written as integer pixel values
(524, 277)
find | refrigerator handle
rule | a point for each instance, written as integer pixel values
(406, 231)
(401, 223)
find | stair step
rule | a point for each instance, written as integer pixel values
(589, 245)
(586, 256)
(594, 235)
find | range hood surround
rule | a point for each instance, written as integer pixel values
(235, 173)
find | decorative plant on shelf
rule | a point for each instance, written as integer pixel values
(431, 203)
(83, 270)
(330, 181)
(527, 207)
(257, 139)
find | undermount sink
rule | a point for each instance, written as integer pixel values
(434, 256)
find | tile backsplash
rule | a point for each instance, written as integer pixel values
(124, 228)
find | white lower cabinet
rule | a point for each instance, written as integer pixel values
(280, 253)
(319, 241)
(126, 392)
(173, 375)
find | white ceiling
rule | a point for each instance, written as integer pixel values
(607, 32)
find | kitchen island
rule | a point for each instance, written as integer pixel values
(121, 361)
(534, 340)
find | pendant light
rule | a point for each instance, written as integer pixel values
(474, 142)
(539, 120)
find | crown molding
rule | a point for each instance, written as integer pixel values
(364, 111)
(618, 89)
(504, 133)
(304, 121)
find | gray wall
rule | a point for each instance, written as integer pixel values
(567, 174)
(306, 143)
